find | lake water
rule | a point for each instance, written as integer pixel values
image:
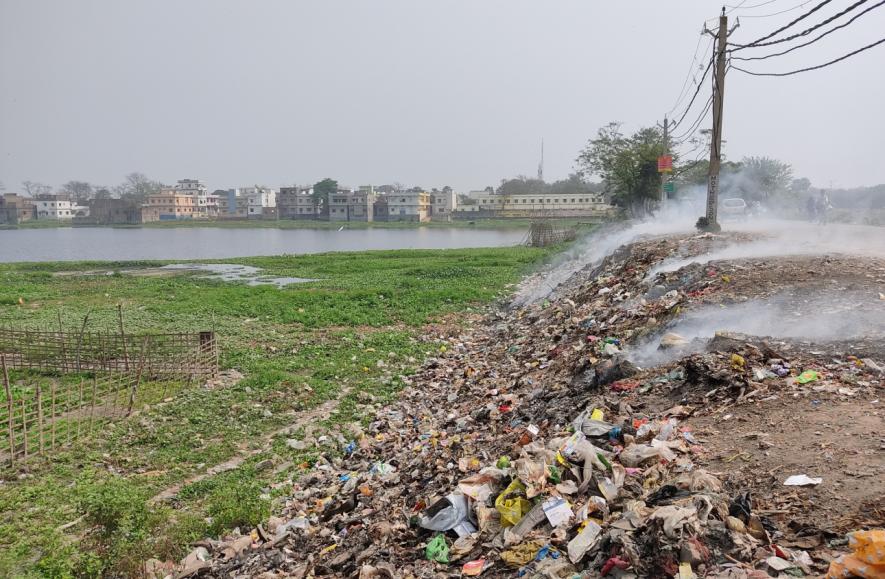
(66, 244)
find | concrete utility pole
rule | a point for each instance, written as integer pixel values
(665, 177)
(716, 142)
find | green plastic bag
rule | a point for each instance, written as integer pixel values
(808, 376)
(512, 510)
(437, 549)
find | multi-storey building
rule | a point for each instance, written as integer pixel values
(15, 209)
(169, 205)
(298, 203)
(408, 206)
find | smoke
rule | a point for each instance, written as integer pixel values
(777, 238)
(827, 316)
(589, 250)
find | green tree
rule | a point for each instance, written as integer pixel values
(522, 185)
(322, 189)
(574, 184)
(626, 165)
(759, 179)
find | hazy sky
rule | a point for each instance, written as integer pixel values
(454, 92)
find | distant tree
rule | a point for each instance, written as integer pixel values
(2, 186)
(101, 192)
(32, 188)
(137, 186)
(445, 189)
(522, 185)
(626, 165)
(321, 190)
(800, 186)
(79, 190)
(574, 184)
(490, 190)
(760, 179)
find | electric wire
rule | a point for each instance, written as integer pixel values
(819, 66)
(694, 60)
(796, 7)
(808, 31)
(750, 7)
(695, 95)
(782, 28)
(812, 41)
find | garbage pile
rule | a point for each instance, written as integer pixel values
(533, 447)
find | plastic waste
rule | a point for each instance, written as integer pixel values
(449, 513)
(668, 429)
(473, 568)
(636, 454)
(585, 540)
(532, 519)
(558, 511)
(802, 480)
(437, 550)
(866, 560)
(512, 509)
(521, 554)
(533, 474)
(808, 376)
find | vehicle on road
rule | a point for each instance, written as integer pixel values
(733, 208)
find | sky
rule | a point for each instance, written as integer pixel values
(459, 93)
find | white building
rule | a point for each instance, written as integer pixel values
(442, 204)
(258, 199)
(205, 203)
(54, 207)
(529, 205)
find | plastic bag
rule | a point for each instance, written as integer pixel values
(437, 550)
(448, 513)
(512, 509)
(533, 474)
(867, 559)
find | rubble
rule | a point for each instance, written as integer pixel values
(534, 447)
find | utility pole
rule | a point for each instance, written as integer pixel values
(666, 176)
(716, 141)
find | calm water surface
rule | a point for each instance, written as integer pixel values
(66, 244)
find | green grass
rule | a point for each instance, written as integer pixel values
(359, 329)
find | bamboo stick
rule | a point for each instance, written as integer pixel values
(92, 410)
(52, 388)
(79, 413)
(24, 429)
(40, 419)
(9, 409)
(123, 336)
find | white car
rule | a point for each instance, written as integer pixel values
(734, 208)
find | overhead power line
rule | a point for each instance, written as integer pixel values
(807, 31)
(792, 72)
(733, 8)
(778, 13)
(694, 60)
(694, 126)
(834, 29)
(695, 95)
(782, 28)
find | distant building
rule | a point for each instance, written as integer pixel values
(114, 212)
(57, 207)
(442, 204)
(485, 204)
(259, 200)
(169, 205)
(337, 203)
(206, 204)
(408, 206)
(231, 204)
(15, 209)
(298, 203)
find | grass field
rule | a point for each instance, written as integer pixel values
(339, 344)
